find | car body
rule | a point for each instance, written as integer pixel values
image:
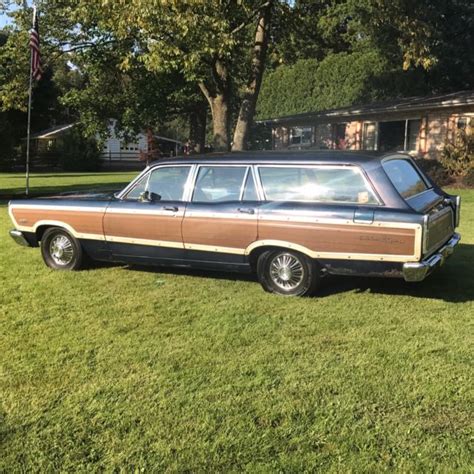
(292, 217)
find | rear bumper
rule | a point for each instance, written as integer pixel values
(418, 271)
(19, 238)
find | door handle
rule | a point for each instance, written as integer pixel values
(246, 210)
(170, 208)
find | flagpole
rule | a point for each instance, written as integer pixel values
(30, 93)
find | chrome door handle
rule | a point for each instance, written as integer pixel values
(170, 208)
(246, 210)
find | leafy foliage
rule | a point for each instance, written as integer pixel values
(339, 80)
(435, 170)
(458, 155)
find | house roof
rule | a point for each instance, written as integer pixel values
(52, 132)
(408, 104)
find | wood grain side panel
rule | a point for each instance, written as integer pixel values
(341, 238)
(235, 233)
(149, 227)
(81, 221)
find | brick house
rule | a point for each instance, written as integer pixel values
(417, 125)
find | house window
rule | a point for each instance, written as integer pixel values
(301, 135)
(413, 130)
(398, 135)
(463, 123)
(369, 136)
(339, 134)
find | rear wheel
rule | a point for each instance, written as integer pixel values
(288, 273)
(60, 250)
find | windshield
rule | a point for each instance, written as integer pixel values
(405, 177)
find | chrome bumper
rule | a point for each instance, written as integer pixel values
(418, 271)
(19, 238)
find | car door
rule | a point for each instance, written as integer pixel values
(145, 224)
(220, 221)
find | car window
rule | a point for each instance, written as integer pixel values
(168, 182)
(250, 191)
(319, 184)
(404, 177)
(219, 183)
(138, 189)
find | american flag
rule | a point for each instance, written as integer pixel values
(36, 69)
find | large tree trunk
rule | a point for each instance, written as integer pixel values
(217, 94)
(197, 128)
(247, 108)
(220, 122)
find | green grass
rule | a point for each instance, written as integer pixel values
(118, 368)
(43, 183)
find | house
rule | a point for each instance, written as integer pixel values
(417, 125)
(116, 151)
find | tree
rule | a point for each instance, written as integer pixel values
(218, 46)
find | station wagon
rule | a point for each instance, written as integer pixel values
(291, 218)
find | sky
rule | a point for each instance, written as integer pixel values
(4, 18)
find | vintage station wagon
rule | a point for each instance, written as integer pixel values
(289, 217)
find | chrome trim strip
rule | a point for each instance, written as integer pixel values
(52, 207)
(136, 241)
(145, 212)
(331, 255)
(213, 248)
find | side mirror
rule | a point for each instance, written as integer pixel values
(149, 196)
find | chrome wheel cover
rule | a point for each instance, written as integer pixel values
(61, 250)
(286, 271)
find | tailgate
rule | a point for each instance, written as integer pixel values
(439, 228)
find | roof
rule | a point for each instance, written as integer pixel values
(52, 132)
(408, 104)
(255, 157)
(166, 139)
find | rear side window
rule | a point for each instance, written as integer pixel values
(319, 184)
(404, 177)
(219, 183)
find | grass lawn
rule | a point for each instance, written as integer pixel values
(118, 368)
(43, 183)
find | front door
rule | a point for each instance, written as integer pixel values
(146, 223)
(221, 220)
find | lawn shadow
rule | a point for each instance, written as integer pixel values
(453, 283)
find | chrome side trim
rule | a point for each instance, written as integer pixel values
(418, 271)
(52, 207)
(330, 255)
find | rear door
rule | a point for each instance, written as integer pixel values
(220, 221)
(139, 230)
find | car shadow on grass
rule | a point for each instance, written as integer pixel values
(454, 282)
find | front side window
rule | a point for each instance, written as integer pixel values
(167, 182)
(219, 183)
(404, 177)
(319, 184)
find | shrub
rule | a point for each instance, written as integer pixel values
(468, 180)
(435, 170)
(77, 153)
(458, 156)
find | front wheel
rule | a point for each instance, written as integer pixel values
(288, 273)
(60, 250)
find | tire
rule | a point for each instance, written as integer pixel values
(60, 250)
(288, 273)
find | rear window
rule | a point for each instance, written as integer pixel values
(405, 177)
(320, 184)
